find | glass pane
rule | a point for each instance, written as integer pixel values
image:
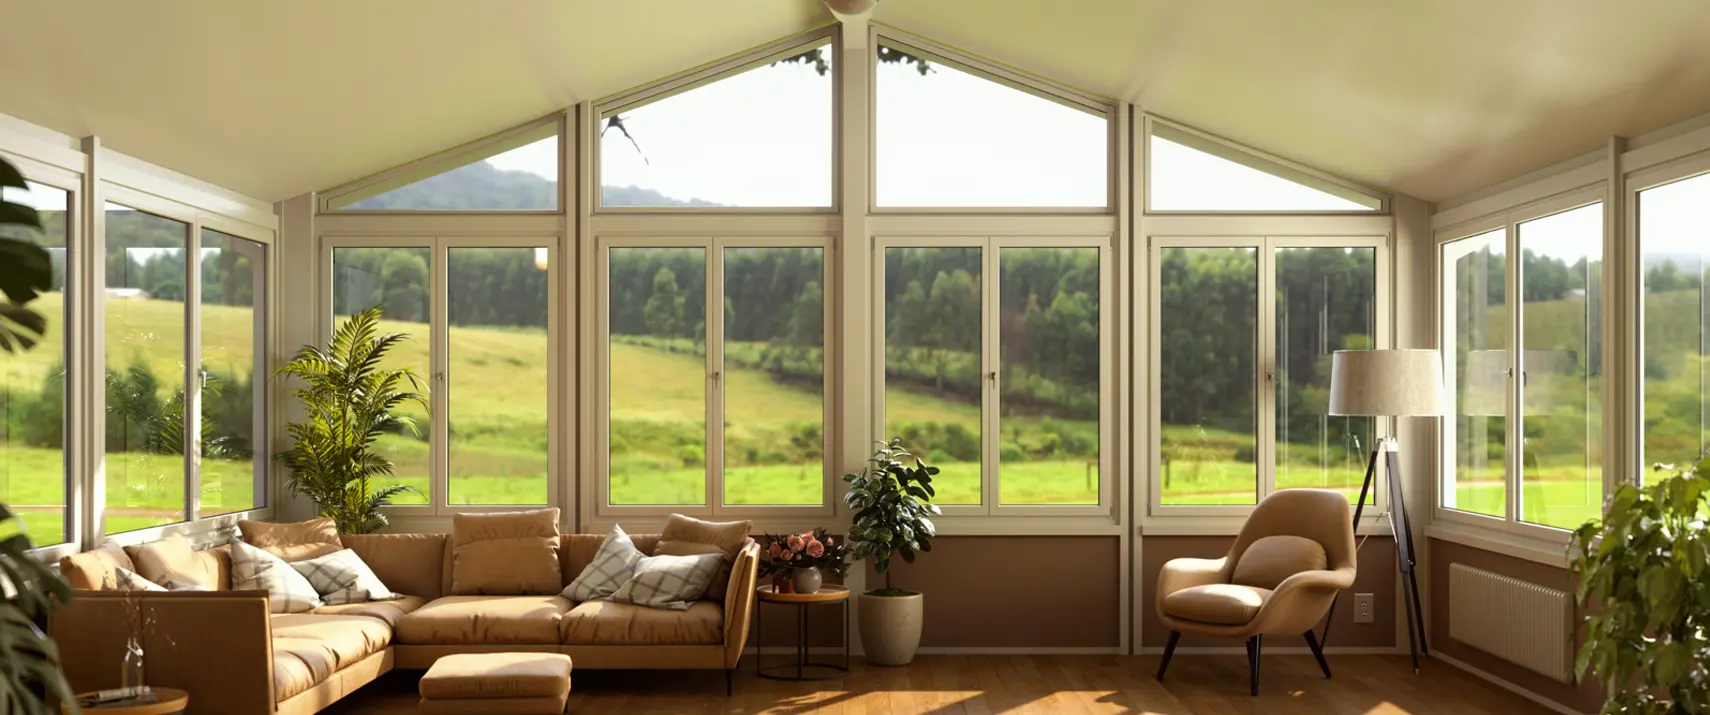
(939, 131)
(727, 143)
(1048, 331)
(658, 305)
(1475, 327)
(234, 374)
(396, 278)
(1561, 415)
(524, 178)
(932, 363)
(1208, 390)
(1325, 302)
(774, 376)
(144, 306)
(1187, 176)
(1674, 240)
(33, 468)
(497, 302)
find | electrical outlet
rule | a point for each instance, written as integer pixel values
(1363, 606)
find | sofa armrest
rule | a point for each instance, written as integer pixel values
(739, 602)
(215, 645)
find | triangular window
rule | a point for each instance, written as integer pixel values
(517, 172)
(1194, 173)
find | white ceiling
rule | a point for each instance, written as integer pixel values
(1431, 98)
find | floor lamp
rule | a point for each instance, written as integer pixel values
(1390, 383)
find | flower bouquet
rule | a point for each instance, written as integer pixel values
(798, 562)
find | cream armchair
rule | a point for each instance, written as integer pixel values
(1294, 554)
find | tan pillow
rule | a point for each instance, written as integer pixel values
(1268, 561)
(299, 541)
(505, 553)
(171, 558)
(687, 536)
(97, 569)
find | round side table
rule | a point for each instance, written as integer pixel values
(802, 668)
(168, 701)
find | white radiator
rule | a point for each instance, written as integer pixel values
(1522, 622)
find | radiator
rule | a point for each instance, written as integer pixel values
(1521, 622)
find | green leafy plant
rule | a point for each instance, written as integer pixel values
(892, 502)
(25, 270)
(349, 401)
(1644, 577)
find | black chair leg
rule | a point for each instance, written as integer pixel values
(1169, 650)
(1317, 652)
(1254, 646)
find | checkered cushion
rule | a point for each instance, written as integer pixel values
(128, 580)
(287, 590)
(341, 577)
(672, 582)
(612, 566)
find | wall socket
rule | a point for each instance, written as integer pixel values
(1363, 605)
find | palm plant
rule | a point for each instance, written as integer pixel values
(348, 400)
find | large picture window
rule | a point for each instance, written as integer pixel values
(33, 396)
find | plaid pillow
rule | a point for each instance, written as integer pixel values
(287, 590)
(128, 580)
(341, 577)
(671, 582)
(612, 566)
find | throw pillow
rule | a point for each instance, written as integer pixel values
(172, 557)
(1269, 560)
(611, 568)
(293, 542)
(96, 569)
(688, 536)
(341, 577)
(672, 582)
(128, 580)
(287, 590)
(505, 553)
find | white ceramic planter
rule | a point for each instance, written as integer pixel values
(890, 627)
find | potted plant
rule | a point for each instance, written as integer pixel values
(892, 502)
(348, 401)
(1644, 578)
(797, 563)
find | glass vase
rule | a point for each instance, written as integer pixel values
(131, 678)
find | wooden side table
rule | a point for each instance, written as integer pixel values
(803, 668)
(168, 701)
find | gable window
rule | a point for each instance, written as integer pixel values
(947, 135)
(1190, 172)
(517, 171)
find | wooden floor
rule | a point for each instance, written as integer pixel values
(943, 685)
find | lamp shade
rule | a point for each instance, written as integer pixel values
(1386, 383)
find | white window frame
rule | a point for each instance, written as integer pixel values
(1258, 161)
(1221, 518)
(439, 341)
(1514, 454)
(598, 487)
(991, 476)
(335, 200)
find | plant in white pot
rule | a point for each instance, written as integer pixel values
(892, 502)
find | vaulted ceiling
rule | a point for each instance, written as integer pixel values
(1431, 98)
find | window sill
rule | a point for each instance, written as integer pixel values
(1370, 525)
(1550, 552)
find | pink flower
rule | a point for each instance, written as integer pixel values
(815, 549)
(795, 542)
(775, 550)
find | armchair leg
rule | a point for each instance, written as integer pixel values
(1254, 645)
(729, 682)
(1318, 652)
(1169, 650)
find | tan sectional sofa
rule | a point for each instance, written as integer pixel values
(235, 658)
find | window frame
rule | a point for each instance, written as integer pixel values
(439, 341)
(1265, 362)
(1008, 77)
(1512, 521)
(1109, 486)
(1252, 159)
(335, 200)
(712, 73)
(597, 488)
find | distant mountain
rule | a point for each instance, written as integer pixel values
(482, 186)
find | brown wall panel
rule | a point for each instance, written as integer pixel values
(1377, 576)
(1585, 697)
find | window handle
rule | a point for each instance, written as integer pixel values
(993, 377)
(716, 375)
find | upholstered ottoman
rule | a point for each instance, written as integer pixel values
(497, 684)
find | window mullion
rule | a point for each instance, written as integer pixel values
(990, 464)
(191, 435)
(1265, 423)
(439, 408)
(1513, 430)
(714, 341)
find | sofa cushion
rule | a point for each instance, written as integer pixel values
(287, 590)
(611, 568)
(97, 569)
(607, 623)
(505, 553)
(406, 563)
(1270, 560)
(298, 664)
(344, 639)
(295, 541)
(388, 612)
(172, 558)
(484, 620)
(496, 675)
(688, 536)
(1222, 604)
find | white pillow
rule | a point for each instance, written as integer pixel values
(612, 566)
(287, 590)
(671, 582)
(128, 580)
(342, 577)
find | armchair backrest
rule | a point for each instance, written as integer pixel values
(1321, 515)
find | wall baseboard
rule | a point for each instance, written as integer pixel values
(1074, 650)
(1283, 650)
(1509, 686)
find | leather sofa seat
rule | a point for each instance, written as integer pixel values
(309, 647)
(605, 623)
(1224, 604)
(389, 612)
(484, 620)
